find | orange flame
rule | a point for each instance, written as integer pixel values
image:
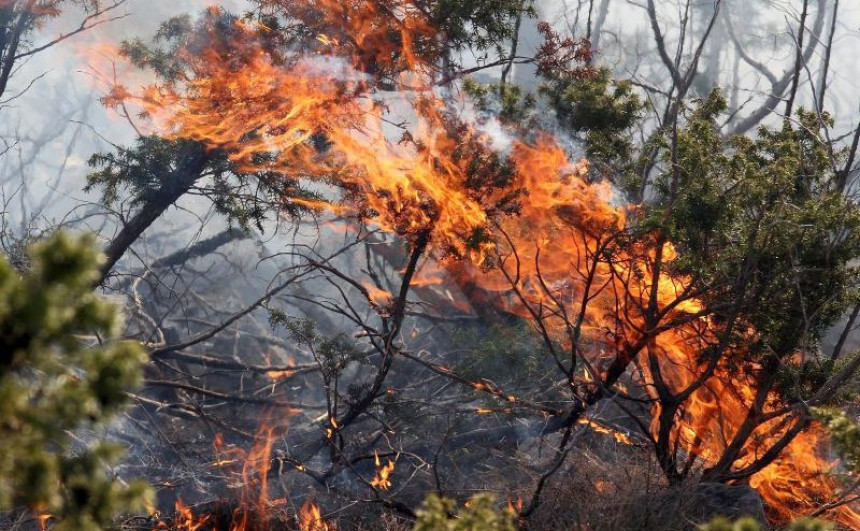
(185, 520)
(600, 428)
(378, 296)
(278, 375)
(310, 518)
(43, 521)
(382, 480)
(250, 469)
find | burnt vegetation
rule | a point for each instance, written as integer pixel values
(434, 264)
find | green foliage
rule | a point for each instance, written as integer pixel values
(595, 102)
(801, 379)
(810, 524)
(750, 524)
(604, 109)
(758, 219)
(509, 102)
(143, 170)
(844, 435)
(724, 524)
(60, 370)
(479, 514)
(511, 354)
(332, 353)
(478, 24)
(155, 168)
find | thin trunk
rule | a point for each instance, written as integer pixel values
(602, 13)
(798, 61)
(825, 69)
(514, 43)
(849, 326)
(175, 186)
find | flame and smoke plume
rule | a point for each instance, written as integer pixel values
(249, 472)
(526, 225)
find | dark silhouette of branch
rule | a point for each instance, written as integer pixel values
(175, 185)
(849, 327)
(778, 85)
(798, 60)
(825, 69)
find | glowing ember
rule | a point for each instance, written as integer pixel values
(329, 432)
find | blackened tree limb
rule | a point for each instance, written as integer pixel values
(842, 176)
(798, 60)
(825, 69)
(21, 19)
(11, 39)
(827, 391)
(769, 456)
(483, 386)
(190, 169)
(671, 65)
(506, 69)
(397, 314)
(216, 394)
(199, 249)
(765, 381)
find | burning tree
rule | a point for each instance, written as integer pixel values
(682, 284)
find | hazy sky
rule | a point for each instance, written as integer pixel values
(59, 121)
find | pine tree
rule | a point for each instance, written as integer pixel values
(61, 369)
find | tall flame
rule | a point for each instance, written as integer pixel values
(382, 479)
(311, 519)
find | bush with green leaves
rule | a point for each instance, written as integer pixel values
(751, 524)
(479, 514)
(61, 370)
(844, 435)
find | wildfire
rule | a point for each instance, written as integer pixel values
(382, 480)
(440, 181)
(250, 471)
(488, 410)
(278, 375)
(329, 432)
(185, 520)
(515, 508)
(378, 297)
(310, 518)
(600, 428)
(43, 521)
